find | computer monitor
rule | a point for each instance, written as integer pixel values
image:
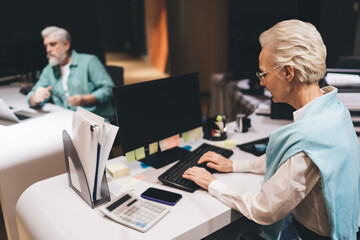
(151, 111)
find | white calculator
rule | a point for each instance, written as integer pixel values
(134, 212)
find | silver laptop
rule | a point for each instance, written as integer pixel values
(10, 115)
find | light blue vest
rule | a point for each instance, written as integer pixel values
(324, 131)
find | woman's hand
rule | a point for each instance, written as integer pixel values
(217, 162)
(200, 176)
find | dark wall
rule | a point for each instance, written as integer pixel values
(248, 19)
(335, 20)
(337, 25)
(22, 21)
(122, 25)
(118, 25)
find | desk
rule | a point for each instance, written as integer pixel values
(50, 209)
(30, 151)
(12, 97)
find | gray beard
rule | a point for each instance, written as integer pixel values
(56, 60)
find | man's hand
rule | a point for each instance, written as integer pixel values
(217, 162)
(200, 176)
(82, 100)
(76, 100)
(40, 95)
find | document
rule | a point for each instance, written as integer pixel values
(108, 135)
(93, 139)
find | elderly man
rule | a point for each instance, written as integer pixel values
(72, 79)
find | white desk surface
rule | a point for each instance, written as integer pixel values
(50, 209)
(12, 97)
(30, 151)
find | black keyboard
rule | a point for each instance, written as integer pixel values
(173, 176)
(21, 117)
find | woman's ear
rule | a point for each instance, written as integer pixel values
(289, 72)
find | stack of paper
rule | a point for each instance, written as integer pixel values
(93, 139)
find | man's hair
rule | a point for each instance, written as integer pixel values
(60, 33)
(298, 44)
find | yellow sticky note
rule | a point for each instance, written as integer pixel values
(140, 153)
(230, 143)
(162, 144)
(197, 133)
(153, 148)
(130, 156)
(186, 136)
(117, 170)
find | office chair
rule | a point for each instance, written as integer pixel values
(117, 74)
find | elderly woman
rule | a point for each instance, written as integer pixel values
(312, 166)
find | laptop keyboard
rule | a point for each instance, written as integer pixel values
(173, 176)
(21, 117)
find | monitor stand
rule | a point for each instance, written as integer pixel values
(161, 159)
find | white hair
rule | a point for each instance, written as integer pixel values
(60, 33)
(298, 44)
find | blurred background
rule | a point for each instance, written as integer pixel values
(158, 38)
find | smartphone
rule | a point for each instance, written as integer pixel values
(161, 196)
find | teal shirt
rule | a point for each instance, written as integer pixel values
(324, 131)
(87, 75)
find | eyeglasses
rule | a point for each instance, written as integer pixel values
(262, 75)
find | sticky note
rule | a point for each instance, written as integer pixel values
(186, 136)
(117, 170)
(153, 148)
(172, 141)
(127, 183)
(162, 144)
(230, 143)
(177, 139)
(130, 156)
(140, 153)
(139, 177)
(187, 147)
(197, 133)
(144, 165)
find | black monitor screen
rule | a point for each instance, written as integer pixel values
(151, 111)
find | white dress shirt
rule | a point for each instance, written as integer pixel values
(295, 187)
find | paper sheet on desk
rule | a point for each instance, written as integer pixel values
(93, 139)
